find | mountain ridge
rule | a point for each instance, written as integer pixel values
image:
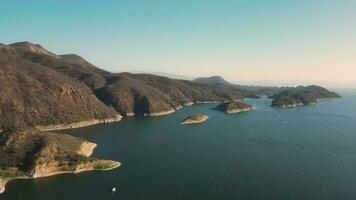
(124, 93)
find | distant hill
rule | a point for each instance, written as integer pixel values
(213, 80)
(165, 74)
(283, 96)
(246, 90)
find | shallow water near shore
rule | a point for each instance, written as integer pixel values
(289, 154)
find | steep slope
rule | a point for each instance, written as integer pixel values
(129, 96)
(32, 95)
(302, 96)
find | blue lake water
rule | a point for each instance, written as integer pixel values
(288, 154)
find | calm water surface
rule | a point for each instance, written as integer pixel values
(288, 154)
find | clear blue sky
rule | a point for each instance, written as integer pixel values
(249, 41)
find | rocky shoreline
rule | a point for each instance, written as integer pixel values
(78, 124)
(157, 114)
(234, 111)
(79, 169)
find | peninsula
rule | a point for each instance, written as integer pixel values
(31, 154)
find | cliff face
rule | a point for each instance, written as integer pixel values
(302, 96)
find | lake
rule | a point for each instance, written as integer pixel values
(288, 154)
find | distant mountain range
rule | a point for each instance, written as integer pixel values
(283, 96)
(246, 90)
(165, 74)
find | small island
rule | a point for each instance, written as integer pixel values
(233, 107)
(195, 119)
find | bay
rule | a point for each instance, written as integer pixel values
(289, 154)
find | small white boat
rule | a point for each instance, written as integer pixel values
(113, 189)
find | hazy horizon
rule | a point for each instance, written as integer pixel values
(270, 43)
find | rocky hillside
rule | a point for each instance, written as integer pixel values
(302, 96)
(155, 95)
(33, 94)
(128, 94)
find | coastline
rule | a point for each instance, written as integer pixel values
(4, 181)
(157, 114)
(78, 124)
(174, 109)
(88, 146)
(85, 149)
(235, 111)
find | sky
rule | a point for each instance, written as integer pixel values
(261, 42)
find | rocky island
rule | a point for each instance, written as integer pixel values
(234, 107)
(300, 96)
(195, 119)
